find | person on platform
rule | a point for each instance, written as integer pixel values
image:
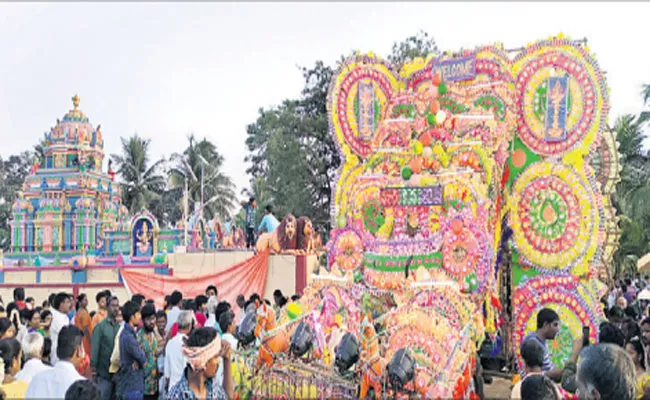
(33, 350)
(204, 350)
(250, 209)
(103, 341)
(269, 222)
(130, 377)
(60, 310)
(11, 355)
(53, 383)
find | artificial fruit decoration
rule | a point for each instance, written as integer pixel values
(437, 79)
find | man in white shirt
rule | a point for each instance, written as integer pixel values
(60, 310)
(212, 309)
(174, 359)
(175, 300)
(53, 383)
(33, 350)
(241, 304)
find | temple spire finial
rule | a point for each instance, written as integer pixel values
(75, 101)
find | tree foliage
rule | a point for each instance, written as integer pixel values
(632, 197)
(13, 171)
(142, 182)
(419, 45)
(291, 153)
(200, 165)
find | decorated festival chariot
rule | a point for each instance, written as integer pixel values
(470, 181)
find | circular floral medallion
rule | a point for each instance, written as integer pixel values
(460, 253)
(553, 220)
(356, 100)
(348, 251)
(373, 215)
(559, 100)
(466, 250)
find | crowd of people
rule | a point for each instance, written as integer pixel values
(616, 367)
(60, 350)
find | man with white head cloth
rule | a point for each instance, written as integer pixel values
(174, 359)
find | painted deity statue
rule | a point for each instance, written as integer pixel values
(144, 237)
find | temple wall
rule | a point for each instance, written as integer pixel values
(287, 273)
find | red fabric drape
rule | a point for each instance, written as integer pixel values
(246, 277)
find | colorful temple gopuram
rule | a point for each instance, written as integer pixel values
(68, 203)
(70, 207)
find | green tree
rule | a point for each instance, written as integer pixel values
(419, 45)
(645, 92)
(168, 207)
(201, 162)
(142, 182)
(13, 171)
(632, 197)
(284, 178)
(39, 151)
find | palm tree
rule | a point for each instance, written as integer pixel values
(200, 166)
(645, 92)
(39, 151)
(632, 197)
(142, 182)
(635, 173)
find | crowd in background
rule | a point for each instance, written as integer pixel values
(61, 350)
(616, 367)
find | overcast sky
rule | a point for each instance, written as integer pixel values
(165, 70)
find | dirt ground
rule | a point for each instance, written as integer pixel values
(499, 389)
